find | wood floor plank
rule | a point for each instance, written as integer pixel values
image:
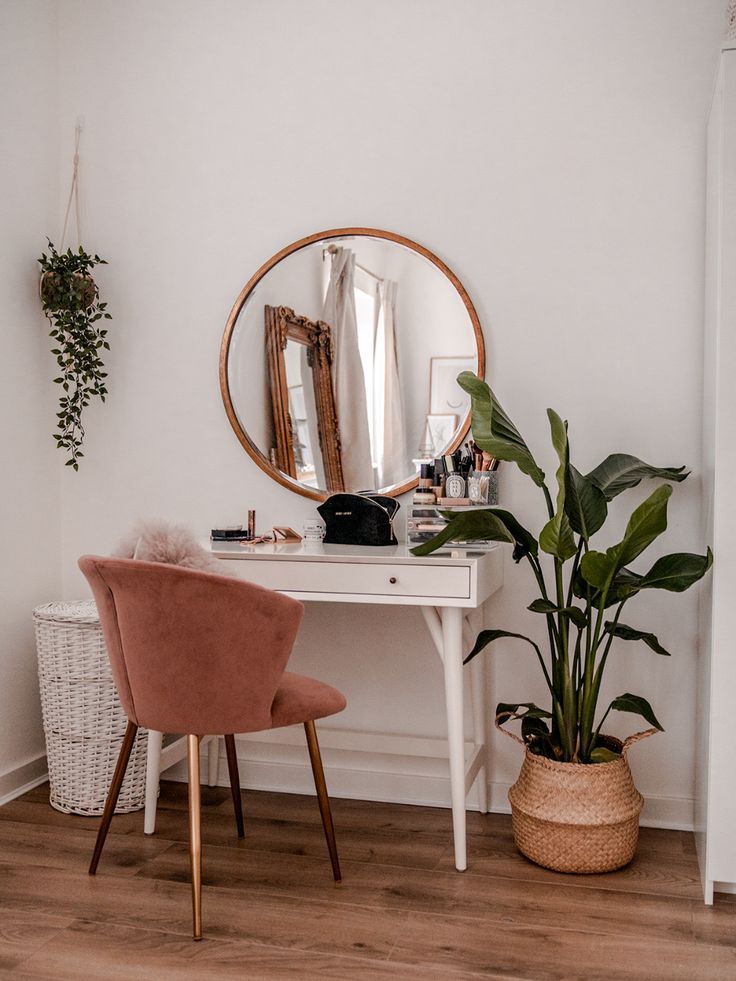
(391, 890)
(116, 952)
(29, 845)
(556, 954)
(23, 933)
(655, 871)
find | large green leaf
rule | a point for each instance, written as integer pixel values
(573, 613)
(646, 523)
(493, 431)
(463, 526)
(631, 633)
(556, 537)
(637, 705)
(532, 711)
(620, 471)
(602, 754)
(489, 524)
(677, 572)
(486, 637)
(585, 504)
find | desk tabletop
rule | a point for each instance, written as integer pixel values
(369, 554)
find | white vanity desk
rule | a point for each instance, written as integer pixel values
(448, 586)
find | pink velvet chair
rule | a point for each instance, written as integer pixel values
(197, 653)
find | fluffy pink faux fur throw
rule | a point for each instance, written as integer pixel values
(160, 541)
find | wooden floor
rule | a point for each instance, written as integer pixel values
(271, 909)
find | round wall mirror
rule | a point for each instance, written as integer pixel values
(339, 362)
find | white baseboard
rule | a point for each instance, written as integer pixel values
(380, 767)
(20, 779)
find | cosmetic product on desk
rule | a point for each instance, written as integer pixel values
(454, 480)
(425, 494)
(230, 533)
(314, 530)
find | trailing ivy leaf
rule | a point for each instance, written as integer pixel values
(637, 705)
(585, 504)
(631, 633)
(493, 431)
(574, 613)
(556, 537)
(619, 471)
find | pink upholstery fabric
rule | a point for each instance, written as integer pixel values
(195, 652)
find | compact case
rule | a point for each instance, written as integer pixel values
(359, 519)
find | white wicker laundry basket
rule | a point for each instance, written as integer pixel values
(83, 720)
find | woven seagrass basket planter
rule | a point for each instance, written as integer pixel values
(577, 817)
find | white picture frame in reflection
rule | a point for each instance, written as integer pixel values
(445, 395)
(441, 428)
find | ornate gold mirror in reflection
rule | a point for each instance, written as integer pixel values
(352, 383)
(294, 343)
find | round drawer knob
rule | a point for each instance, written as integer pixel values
(392, 580)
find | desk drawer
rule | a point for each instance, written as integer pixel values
(371, 579)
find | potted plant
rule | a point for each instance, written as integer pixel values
(574, 806)
(71, 302)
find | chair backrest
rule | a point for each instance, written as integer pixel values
(192, 652)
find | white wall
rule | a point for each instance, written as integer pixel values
(551, 152)
(30, 571)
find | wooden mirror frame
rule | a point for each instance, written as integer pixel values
(333, 233)
(282, 326)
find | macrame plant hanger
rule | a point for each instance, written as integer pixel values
(73, 192)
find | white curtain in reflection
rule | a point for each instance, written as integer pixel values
(352, 413)
(388, 421)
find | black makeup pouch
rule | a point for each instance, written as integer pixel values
(359, 519)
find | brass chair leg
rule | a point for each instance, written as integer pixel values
(232, 768)
(113, 794)
(322, 796)
(195, 834)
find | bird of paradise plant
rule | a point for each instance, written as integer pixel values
(585, 583)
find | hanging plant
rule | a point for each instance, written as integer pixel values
(71, 302)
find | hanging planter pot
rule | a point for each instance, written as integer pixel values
(60, 292)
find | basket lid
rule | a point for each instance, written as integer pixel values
(74, 611)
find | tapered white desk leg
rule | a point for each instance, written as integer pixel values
(153, 772)
(477, 670)
(480, 737)
(452, 639)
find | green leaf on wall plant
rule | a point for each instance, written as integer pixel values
(492, 429)
(631, 633)
(619, 471)
(556, 537)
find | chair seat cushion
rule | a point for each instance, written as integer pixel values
(302, 699)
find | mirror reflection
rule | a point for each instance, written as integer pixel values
(340, 363)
